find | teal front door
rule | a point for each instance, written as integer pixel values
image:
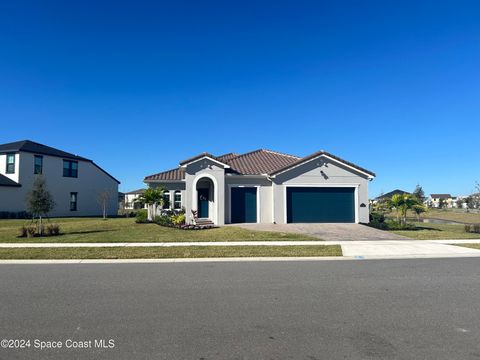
(244, 205)
(203, 203)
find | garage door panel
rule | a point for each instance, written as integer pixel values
(317, 204)
(244, 205)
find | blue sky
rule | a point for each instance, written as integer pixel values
(138, 86)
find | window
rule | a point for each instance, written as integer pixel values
(177, 200)
(73, 201)
(166, 200)
(70, 168)
(10, 163)
(38, 164)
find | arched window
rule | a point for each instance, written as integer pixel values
(166, 200)
(177, 200)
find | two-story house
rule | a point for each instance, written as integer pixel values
(77, 184)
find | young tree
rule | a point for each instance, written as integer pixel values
(419, 193)
(152, 197)
(39, 201)
(103, 198)
(418, 210)
(459, 203)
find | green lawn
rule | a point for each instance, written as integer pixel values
(452, 215)
(126, 230)
(458, 215)
(428, 231)
(169, 252)
(471, 246)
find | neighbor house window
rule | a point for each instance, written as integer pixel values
(38, 164)
(177, 200)
(10, 163)
(73, 201)
(70, 168)
(166, 200)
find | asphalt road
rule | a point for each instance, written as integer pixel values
(395, 309)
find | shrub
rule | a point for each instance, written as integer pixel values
(23, 231)
(178, 219)
(377, 220)
(53, 229)
(142, 216)
(31, 231)
(163, 220)
(398, 225)
(472, 228)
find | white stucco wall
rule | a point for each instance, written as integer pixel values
(90, 183)
(215, 172)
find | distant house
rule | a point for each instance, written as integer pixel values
(131, 197)
(389, 195)
(448, 200)
(75, 182)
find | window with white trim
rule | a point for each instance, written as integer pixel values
(10, 164)
(177, 200)
(166, 200)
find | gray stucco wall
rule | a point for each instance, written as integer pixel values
(90, 182)
(321, 172)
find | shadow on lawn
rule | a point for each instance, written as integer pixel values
(84, 232)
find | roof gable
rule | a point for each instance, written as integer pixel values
(327, 155)
(5, 181)
(201, 156)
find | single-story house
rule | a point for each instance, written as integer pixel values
(78, 185)
(265, 186)
(389, 195)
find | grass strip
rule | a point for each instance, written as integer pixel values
(471, 246)
(169, 252)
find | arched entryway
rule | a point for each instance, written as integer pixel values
(205, 197)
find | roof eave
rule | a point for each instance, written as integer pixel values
(369, 174)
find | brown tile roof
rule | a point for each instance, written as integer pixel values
(256, 162)
(440, 196)
(174, 174)
(261, 162)
(227, 157)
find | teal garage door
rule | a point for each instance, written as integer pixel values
(244, 205)
(320, 205)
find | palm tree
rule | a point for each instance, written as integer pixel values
(152, 197)
(402, 203)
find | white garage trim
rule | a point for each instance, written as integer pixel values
(355, 196)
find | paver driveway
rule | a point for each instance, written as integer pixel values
(332, 232)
